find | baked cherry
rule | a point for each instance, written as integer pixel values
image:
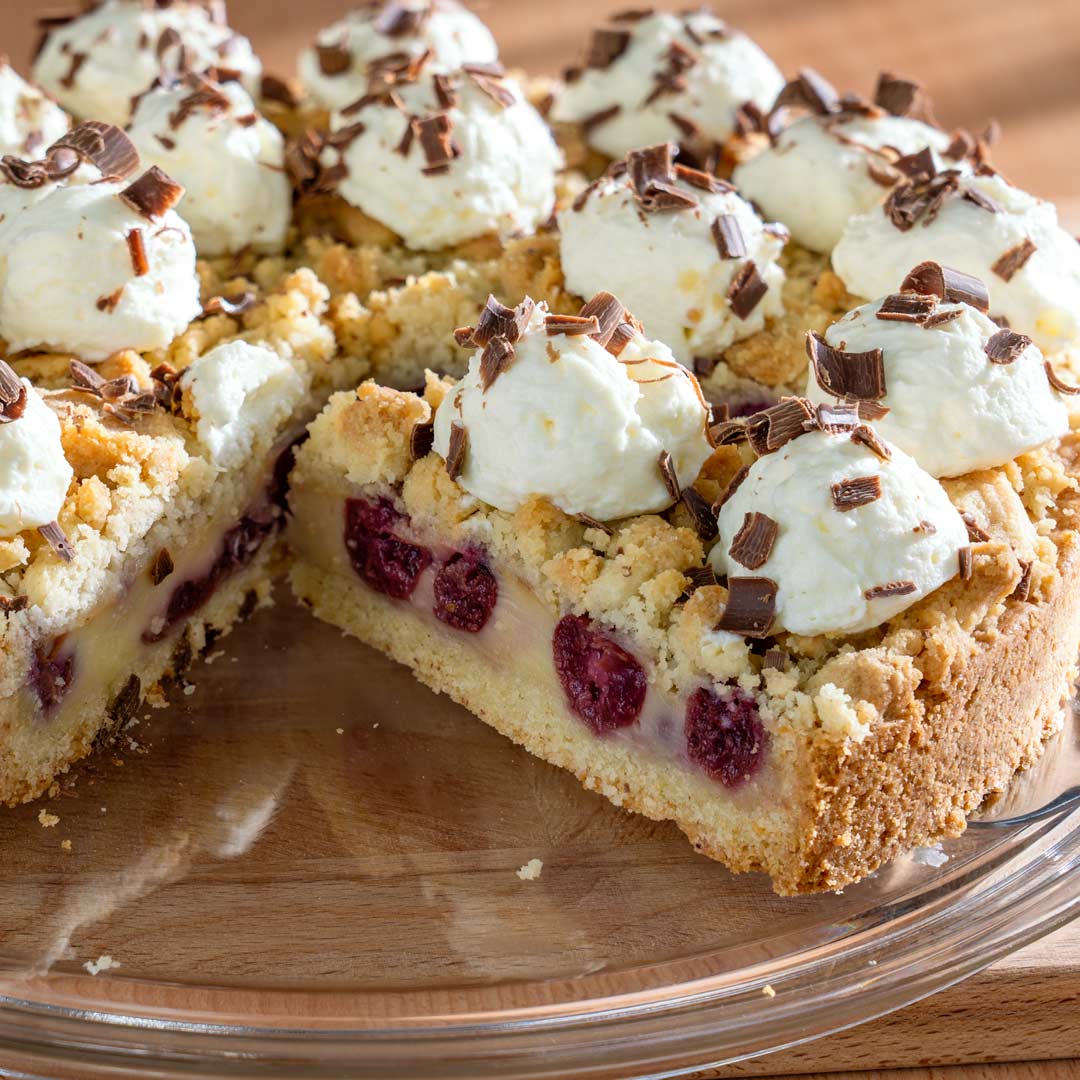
(386, 563)
(604, 684)
(51, 674)
(724, 734)
(466, 592)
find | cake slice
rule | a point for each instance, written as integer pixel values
(783, 634)
(146, 424)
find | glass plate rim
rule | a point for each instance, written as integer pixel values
(666, 1031)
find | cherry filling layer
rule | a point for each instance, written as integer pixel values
(51, 674)
(604, 684)
(724, 734)
(466, 592)
(383, 560)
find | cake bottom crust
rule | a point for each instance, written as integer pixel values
(910, 782)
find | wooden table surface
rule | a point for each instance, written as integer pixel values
(1016, 62)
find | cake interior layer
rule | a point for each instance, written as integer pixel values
(206, 570)
(812, 821)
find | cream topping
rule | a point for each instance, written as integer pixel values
(96, 64)
(666, 77)
(568, 420)
(336, 70)
(700, 276)
(231, 161)
(29, 121)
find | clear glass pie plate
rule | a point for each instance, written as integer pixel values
(308, 864)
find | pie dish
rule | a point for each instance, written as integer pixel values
(775, 540)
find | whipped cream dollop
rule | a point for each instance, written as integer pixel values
(822, 170)
(34, 473)
(337, 69)
(656, 76)
(984, 227)
(209, 137)
(689, 256)
(446, 158)
(97, 63)
(839, 570)
(93, 262)
(951, 407)
(29, 121)
(236, 394)
(568, 419)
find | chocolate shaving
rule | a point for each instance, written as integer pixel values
(809, 90)
(1055, 380)
(571, 325)
(670, 477)
(161, 566)
(445, 93)
(593, 523)
(751, 607)
(753, 543)
(776, 426)
(869, 411)
(279, 90)
(920, 199)
(917, 166)
(153, 194)
(940, 318)
(728, 432)
(435, 135)
(733, 486)
(846, 375)
(10, 605)
(700, 179)
(746, 290)
(497, 320)
(883, 175)
(775, 660)
(602, 116)
(691, 129)
(1005, 346)
(334, 59)
(233, 305)
(890, 588)
(397, 20)
(982, 200)
(871, 440)
(620, 338)
(701, 513)
(925, 528)
(697, 577)
(497, 356)
(12, 394)
(729, 238)
(137, 250)
(974, 530)
(421, 440)
(455, 452)
(952, 286)
(610, 314)
(1014, 259)
(58, 540)
(1022, 592)
(493, 86)
(907, 307)
(103, 145)
(110, 302)
(606, 47)
(652, 178)
(902, 97)
(858, 491)
(838, 418)
(967, 563)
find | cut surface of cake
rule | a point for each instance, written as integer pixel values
(782, 633)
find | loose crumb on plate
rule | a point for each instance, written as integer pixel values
(102, 963)
(531, 870)
(47, 820)
(768, 991)
(65, 845)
